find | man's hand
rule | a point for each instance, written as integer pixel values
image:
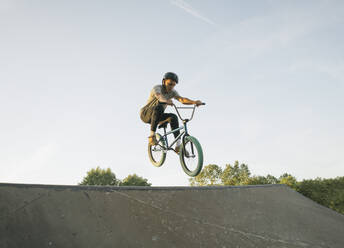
(198, 102)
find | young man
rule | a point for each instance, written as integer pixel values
(160, 96)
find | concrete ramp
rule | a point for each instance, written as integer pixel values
(84, 216)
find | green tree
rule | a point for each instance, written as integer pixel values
(289, 180)
(100, 176)
(236, 174)
(269, 179)
(327, 192)
(210, 175)
(135, 180)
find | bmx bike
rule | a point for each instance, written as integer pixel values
(190, 153)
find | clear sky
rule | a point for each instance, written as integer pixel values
(74, 75)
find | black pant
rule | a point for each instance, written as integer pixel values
(155, 114)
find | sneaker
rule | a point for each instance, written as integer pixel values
(152, 140)
(178, 149)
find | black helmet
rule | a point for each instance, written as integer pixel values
(171, 75)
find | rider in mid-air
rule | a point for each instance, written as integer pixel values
(160, 96)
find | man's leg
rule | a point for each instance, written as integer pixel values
(156, 116)
(174, 125)
(174, 122)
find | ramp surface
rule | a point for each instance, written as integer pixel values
(85, 216)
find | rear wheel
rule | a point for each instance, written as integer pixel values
(191, 156)
(157, 153)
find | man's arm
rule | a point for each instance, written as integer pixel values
(188, 101)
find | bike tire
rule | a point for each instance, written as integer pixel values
(157, 162)
(182, 157)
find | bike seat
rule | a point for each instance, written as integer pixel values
(163, 124)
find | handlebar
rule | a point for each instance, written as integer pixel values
(193, 111)
(180, 107)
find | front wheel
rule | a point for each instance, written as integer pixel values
(191, 156)
(157, 153)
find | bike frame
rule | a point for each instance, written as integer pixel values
(184, 127)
